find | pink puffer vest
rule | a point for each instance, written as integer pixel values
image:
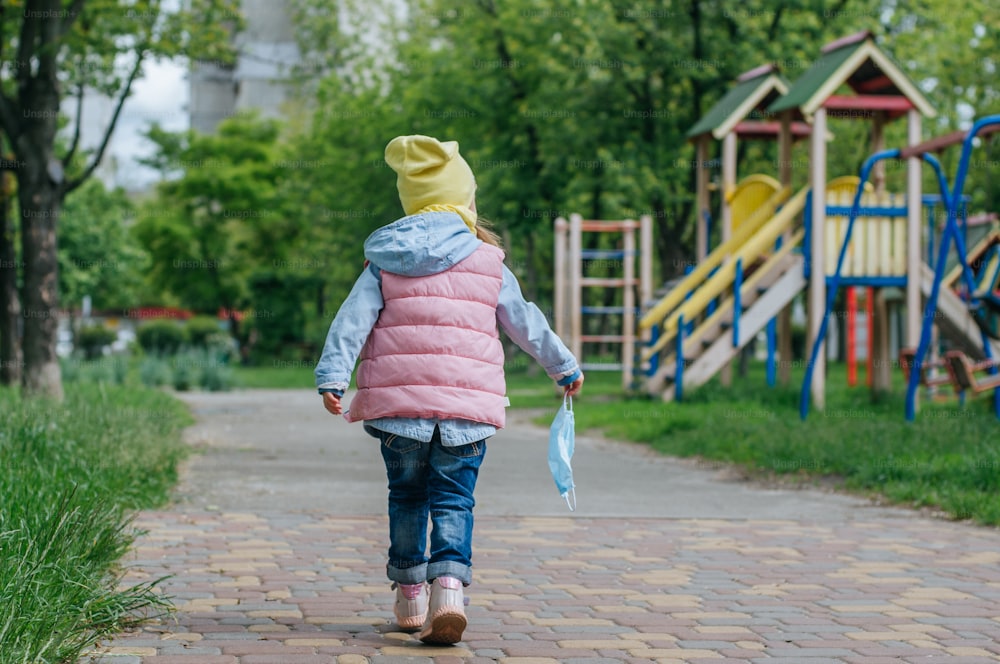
(435, 350)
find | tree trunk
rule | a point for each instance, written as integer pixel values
(10, 305)
(40, 181)
(40, 206)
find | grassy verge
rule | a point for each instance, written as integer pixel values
(949, 459)
(189, 370)
(71, 476)
(277, 375)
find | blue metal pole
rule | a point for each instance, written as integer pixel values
(834, 285)
(737, 302)
(772, 336)
(679, 364)
(931, 213)
(963, 170)
(772, 343)
(931, 307)
(952, 202)
(654, 361)
(708, 231)
(807, 237)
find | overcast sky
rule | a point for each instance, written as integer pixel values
(160, 96)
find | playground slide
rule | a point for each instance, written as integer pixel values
(954, 319)
(786, 281)
(676, 296)
(775, 280)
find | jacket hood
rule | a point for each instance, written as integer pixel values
(421, 244)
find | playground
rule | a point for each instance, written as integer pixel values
(913, 273)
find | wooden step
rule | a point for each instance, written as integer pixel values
(609, 338)
(608, 281)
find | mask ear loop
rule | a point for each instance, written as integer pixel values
(568, 402)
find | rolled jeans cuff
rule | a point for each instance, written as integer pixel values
(450, 568)
(408, 576)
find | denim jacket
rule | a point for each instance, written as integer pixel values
(418, 245)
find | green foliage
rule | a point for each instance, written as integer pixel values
(560, 106)
(204, 331)
(582, 107)
(277, 374)
(56, 52)
(72, 475)
(98, 256)
(184, 374)
(110, 370)
(203, 368)
(154, 371)
(93, 338)
(214, 374)
(220, 214)
(279, 313)
(161, 336)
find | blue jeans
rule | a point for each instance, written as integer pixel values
(429, 479)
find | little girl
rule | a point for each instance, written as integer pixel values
(423, 317)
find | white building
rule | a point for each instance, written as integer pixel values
(260, 77)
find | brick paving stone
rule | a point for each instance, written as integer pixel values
(309, 588)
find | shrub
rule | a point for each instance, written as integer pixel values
(92, 339)
(204, 331)
(185, 373)
(161, 336)
(154, 371)
(216, 377)
(107, 370)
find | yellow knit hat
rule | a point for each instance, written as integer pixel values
(431, 175)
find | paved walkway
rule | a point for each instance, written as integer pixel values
(276, 548)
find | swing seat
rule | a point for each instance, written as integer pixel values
(907, 357)
(963, 372)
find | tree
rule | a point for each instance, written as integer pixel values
(98, 256)
(217, 216)
(10, 304)
(579, 105)
(574, 106)
(54, 48)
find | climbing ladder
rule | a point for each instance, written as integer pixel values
(571, 263)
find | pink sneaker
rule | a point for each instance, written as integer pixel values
(411, 605)
(446, 615)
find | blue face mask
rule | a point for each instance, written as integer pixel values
(561, 443)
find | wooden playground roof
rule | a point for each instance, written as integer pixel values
(879, 83)
(753, 92)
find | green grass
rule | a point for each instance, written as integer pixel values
(948, 460)
(72, 474)
(276, 375)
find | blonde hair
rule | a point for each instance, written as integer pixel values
(485, 232)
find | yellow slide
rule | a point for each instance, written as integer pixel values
(749, 196)
(713, 260)
(755, 239)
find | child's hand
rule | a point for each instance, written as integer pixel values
(332, 403)
(574, 388)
